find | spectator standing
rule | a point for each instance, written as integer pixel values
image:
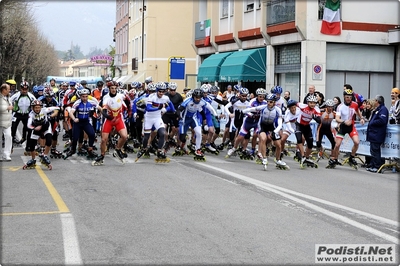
(286, 95)
(311, 92)
(366, 114)
(394, 113)
(376, 132)
(5, 121)
(336, 101)
(13, 86)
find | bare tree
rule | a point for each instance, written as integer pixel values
(24, 51)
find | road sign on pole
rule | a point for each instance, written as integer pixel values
(176, 68)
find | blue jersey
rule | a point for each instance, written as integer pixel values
(190, 108)
(83, 111)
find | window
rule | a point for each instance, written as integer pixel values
(226, 4)
(249, 5)
(280, 11)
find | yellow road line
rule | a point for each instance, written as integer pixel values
(62, 207)
(28, 213)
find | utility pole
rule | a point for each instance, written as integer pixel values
(143, 10)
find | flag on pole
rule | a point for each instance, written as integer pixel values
(331, 19)
(208, 31)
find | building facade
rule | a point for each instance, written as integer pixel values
(149, 35)
(365, 54)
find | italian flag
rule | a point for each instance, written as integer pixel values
(207, 26)
(331, 20)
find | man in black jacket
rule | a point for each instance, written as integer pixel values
(376, 132)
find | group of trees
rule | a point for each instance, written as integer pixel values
(24, 51)
(75, 53)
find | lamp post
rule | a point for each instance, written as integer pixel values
(143, 10)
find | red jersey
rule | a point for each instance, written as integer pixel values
(306, 114)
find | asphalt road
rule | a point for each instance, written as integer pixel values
(222, 211)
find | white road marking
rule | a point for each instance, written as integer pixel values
(72, 251)
(279, 190)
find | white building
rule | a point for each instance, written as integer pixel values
(365, 54)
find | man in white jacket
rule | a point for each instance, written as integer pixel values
(5, 121)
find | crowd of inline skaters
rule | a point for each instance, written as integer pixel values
(152, 118)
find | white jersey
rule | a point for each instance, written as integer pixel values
(153, 102)
(114, 105)
(289, 120)
(347, 112)
(270, 116)
(41, 118)
(282, 104)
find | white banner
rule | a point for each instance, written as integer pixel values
(390, 148)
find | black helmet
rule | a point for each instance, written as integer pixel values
(99, 83)
(197, 92)
(83, 82)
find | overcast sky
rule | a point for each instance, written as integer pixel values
(84, 23)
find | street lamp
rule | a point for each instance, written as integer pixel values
(142, 10)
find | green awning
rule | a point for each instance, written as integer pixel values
(245, 65)
(209, 69)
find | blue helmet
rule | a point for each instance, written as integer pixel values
(136, 85)
(161, 86)
(38, 88)
(271, 97)
(277, 90)
(237, 87)
(72, 83)
(291, 103)
(243, 91)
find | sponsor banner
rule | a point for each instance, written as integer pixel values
(390, 148)
(101, 60)
(355, 253)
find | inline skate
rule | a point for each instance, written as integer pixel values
(31, 164)
(46, 162)
(161, 157)
(55, 153)
(281, 165)
(98, 161)
(199, 155)
(119, 154)
(307, 162)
